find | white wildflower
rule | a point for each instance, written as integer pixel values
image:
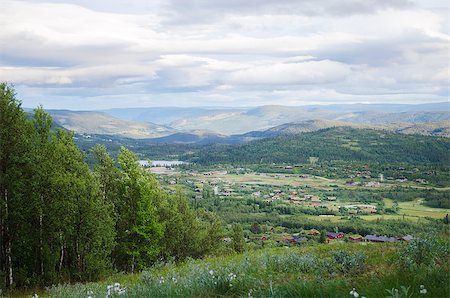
(423, 290)
(211, 272)
(354, 293)
(161, 280)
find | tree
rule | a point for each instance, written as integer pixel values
(138, 226)
(323, 237)
(81, 221)
(238, 238)
(14, 162)
(255, 228)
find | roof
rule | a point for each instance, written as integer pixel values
(407, 238)
(299, 238)
(335, 235)
(355, 236)
(376, 238)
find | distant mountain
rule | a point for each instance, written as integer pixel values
(231, 121)
(238, 125)
(165, 115)
(84, 122)
(438, 128)
(297, 127)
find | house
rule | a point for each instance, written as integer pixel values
(375, 238)
(315, 199)
(312, 232)
(355, 238)
(333, 236)
(299, 239)
(375, 184)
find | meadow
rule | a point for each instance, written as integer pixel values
(313, 270)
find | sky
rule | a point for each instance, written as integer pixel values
(85, 54)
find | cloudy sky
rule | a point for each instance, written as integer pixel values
(84, 54)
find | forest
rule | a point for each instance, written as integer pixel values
(338, 143)
(62, 221)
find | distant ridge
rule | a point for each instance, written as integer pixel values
(88, 122)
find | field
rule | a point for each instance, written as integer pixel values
(253, 184)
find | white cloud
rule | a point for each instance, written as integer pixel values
(236, 52)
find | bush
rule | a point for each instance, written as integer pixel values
(420, 252)
(349, 263)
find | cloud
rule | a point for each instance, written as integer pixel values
(186, 52)
(309, 72)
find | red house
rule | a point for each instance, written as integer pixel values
(333, 236)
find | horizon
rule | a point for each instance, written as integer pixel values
(77, 54)
(242, 107)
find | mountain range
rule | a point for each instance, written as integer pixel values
(234, 125)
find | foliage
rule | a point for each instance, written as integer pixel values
(333, 144)
(423, 251)
(60, 221)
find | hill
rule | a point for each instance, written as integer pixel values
(438, 128)
(339, 143)
(88, 122)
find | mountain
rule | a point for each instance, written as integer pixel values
(206, 125)
(87, 122)
(438, 128)
(297, 127)
(232, 121)
(165, 115)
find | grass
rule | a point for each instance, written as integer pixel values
(307, 271)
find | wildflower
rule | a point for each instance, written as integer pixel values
(354, 293)
(423, 290)
(174, 279)
(161, 280)
(250, 293)
(35, 295)
(89, 293)
(211, 272)
(109, 290)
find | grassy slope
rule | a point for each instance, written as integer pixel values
(307, 271)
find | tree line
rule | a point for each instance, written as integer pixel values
(62, 221)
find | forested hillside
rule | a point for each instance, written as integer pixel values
(339, 143)
(60, 221)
